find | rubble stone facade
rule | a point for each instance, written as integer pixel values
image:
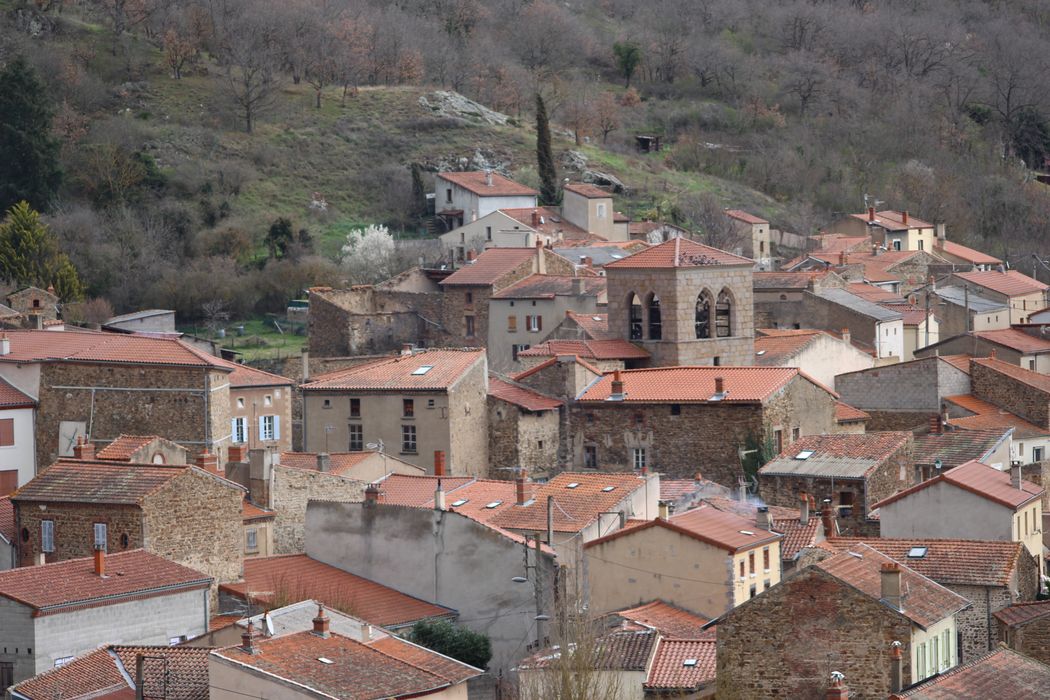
(293, 490)
(520, 438)
(999, 388)
(1031, 638)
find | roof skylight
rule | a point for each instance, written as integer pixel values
(494, 504)
(607, 489)
(460, 502)
(422, 369)
(572, 485)
(804, 454)
(917, 552)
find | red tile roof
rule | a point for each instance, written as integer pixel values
(491, 265)
(949, 562)
(355, 670)
(1002, 673)
(125, 446)
(298, 577)
(988, 416)
(844, 413)
(400, 373)
(91, 675)
(548, 286)
(957, 250)
(477, 182)
(73, 584)
(669, 620)
(1010, 283)
(872, 293)
(10, 397)
(1023, 613)
(77, 481)
(678, 252)
(775, 349)
(785, 280)
(596, 326)
(682, 665)
(418, 491)
(694, 384)
(1036, 380)
(981, 479)
(341, 462)
(551, 222)
(741, 215)
(420, 657)
(522, 397)
(621, 650)
(926, 602)
(7, 519)
(707, 524)
(252, 512)
(1016, 340)
(955, 447)
(590, 349)
(960, 362)
(576, 507)
(894, 220)
(80, 346)
(586, 190)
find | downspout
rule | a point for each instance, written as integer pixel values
(207, 411)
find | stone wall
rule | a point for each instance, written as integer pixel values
(918, 386)
(519, 438)
(293, 489)
(1031, 639)
(365, 320)
(976, 625)
(75, 529)
(468, 425)
(785, 642)
(1015, 396)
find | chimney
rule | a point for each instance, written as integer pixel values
(940, 230)
(837, 690)
(664, 510)
(305, 363)
(406, 348)
(366, 633)
(248, 640)
(372, 493)
(439, 496)
(741, 490)
(83, 449)
(578, 286)
(586, 261)
(904, 217)
(891, 584)
(842, 257)
(991, 354)
(100, 561)
(896, 667)
(488, 178)
(208, 462)
(935, 424)
(5, 344)
(847, 337)
(871, 214)
(321, 623)
(719, 385)
(237, 453)
(1015, 475)
(803, 508)
(535, 218)
(324, 462)
(471, 255)
(762, 519)
(874, 250)
(41, 559)
(828, 518)
(439, 463)
(520, 495)
(617, 385)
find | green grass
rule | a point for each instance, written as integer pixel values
(261, 339)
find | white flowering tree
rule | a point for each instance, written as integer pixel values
(368, 255)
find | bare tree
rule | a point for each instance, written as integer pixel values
(252, 63)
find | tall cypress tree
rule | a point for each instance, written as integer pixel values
(28, 153)
(544, 155)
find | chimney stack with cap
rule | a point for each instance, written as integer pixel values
(847, 336)
(617, 384)
(321, 623)
(762, 518)
(842, 257)
(439, 463)
(372, 493)
(535, 218)
(5, 344)
(471, 255)
(578, 288)
(1015, 475)
(871, 214)
(837, 689)
(941, 231)
(208, 462)
(890, 572)
(406, 348)
(439, 496)
(664, 510)
(803, 508)
(324, 462)
(935, 424)
(488, 178)
(100, 560)
(248, 640)
(238, 453)
(896, 667)
(904, 217)
(520, 495)
(827, 517)
(719, 385)
(84, 449)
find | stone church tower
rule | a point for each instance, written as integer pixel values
(684, 302)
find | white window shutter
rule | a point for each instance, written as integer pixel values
(233, 430)
(276, 427)
(262, 434)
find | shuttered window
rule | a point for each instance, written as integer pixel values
(47, 535)
(7, 432)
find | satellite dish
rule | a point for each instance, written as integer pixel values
(937, 464)
(268, 621)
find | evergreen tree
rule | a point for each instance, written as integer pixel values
(28, 153)
(29, 255)
(544, 155)
(279, 237)
(419, 193)
(628, 55)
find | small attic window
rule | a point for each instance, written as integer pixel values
(804, 454)
(917, 552)
(460, 502)
(747, 532)
(324, 660)
(689, 663)
(422, 369)
(607, 489)
(572, 485)
(494, 504)
(596, 318)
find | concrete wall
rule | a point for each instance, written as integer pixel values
(918, 386)
(827, 357)
(160, 323)
(74, 529)
(18, 638)
(501, 338)
(21, 456)
(886, 337)
(441, 557)
(586, 213)
(943, 510)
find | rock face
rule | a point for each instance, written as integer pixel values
(455, 106)
(576, 161)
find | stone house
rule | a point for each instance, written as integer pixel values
(1015, 389)
(1021, 293)
(963, 257)
(991, 575)
(49, 614)
(881, 624)
(971, 501)
(35, 305)
(871, 325)
(525, 313)
(778, 295)
(819, 354)
(685, 303)
(962, 309)
(680, 420)
(410, 405)
(1029, 443)
(260, 408)
(852, 471)
(524, 428)
(899, 272)
(181, 512)
(17, 436)
(461, 197)
(704, 559)
(117, 384)
(891, 229)
(1025, 628)
(1013, 345)
(755, 240)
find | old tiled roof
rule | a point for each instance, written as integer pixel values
(893, 220)
(10, 397)
(957, 250)
(418, 490)
(591, 349)
(251, 512)
(596, 326)
(402, 373)
(955, 447)
(988, 416)
(926, 602)
(548, 286)
(174, 673)
(125, 446)
(298, 577)
(749, 509)
(682, 665)
(1009, 283)
(476, 181)
(355, 670)
(490, 266)
(911, 314)
(420, 657)
(78, 481)
(775, 349)
(551, 222)
(553, 361)
(576, 507)
(741, 215)
(948, 562)
(786, 521)
(95, 674)
(844, 413)
(849, 300)
(81, 346)
(694, 384)
(73, 584)
(843, 455)
(521, 396)
(1003, 673)
(785, 280)
(341, 462)
(586, 190)
(1036, 380)
(981, 479)
(245, 376)
(669, 620)
(728, 530)
(872, 293)
(1016, 340)
(1022, 613)
(7, 519)
(679, 252)
(622, 650)
(960, 362)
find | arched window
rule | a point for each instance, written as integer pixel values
(655, 324)
(635, 318)
(724, 315)
(703, 315)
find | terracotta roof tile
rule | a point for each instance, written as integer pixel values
(894, 220)
(430, 661)
(250, 511)
(548, 286)
(948, 562)
(669, 620)
(727, 529)
(872, 293)
(80, 346)
(77, 481)
(1002, 673)
(682, 664)
(7, 519)
(678, 252)
(551, 222)
(955, 447)
(477, 182)
(245, 376)
(774, 350)
(741, 215)
(522, 396)
(785, 280)
(960, 362)
(576, 507)
(1022, 613)
(90, 675)
(844, 413)
(174, 673)
(596, 326)
(988, 416)
(341, 462)
(402, 373)
(490, 266)
(1035, 380)
(73, 584)
(589, 349)
(10, 397)
(417, 491)
(1016, 340)
(586, 190)
(980, 479)
(786, 521)
(694, 384)
(926, 603)
(1010, 283)
(957, 250)
(841, 455)
(622, 650)
(298, 577)
(125, 446)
